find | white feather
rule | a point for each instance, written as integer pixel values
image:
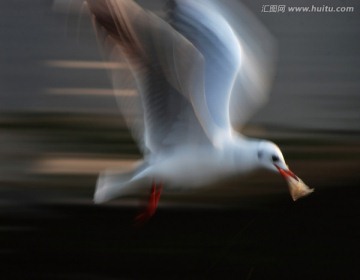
(197, 74)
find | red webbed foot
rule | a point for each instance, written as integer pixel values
(153, 203)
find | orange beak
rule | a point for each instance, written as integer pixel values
(286, 173)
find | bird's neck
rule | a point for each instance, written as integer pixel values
(243, 154)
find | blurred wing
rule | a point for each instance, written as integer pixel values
(258, 59)
(208, 30)
(128, 99)
(166, 66)
(239, 57)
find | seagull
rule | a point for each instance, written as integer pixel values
(200, 71)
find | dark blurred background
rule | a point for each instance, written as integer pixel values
(60, 126)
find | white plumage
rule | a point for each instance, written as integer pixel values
(201, 71)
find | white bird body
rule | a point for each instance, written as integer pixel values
(196, 168)
(184, 169)
(197, 75)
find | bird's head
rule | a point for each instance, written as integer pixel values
(270, 157)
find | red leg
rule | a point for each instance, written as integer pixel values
(150, 210)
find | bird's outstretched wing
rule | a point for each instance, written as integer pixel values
(167, 69)
(239, 57)
(211, 34)
(196, 74)
(258, 61)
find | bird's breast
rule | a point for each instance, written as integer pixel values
(193, 168)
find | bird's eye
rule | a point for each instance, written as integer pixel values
(275, 158)
(260, 154)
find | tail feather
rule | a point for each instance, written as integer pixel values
(111, 185)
